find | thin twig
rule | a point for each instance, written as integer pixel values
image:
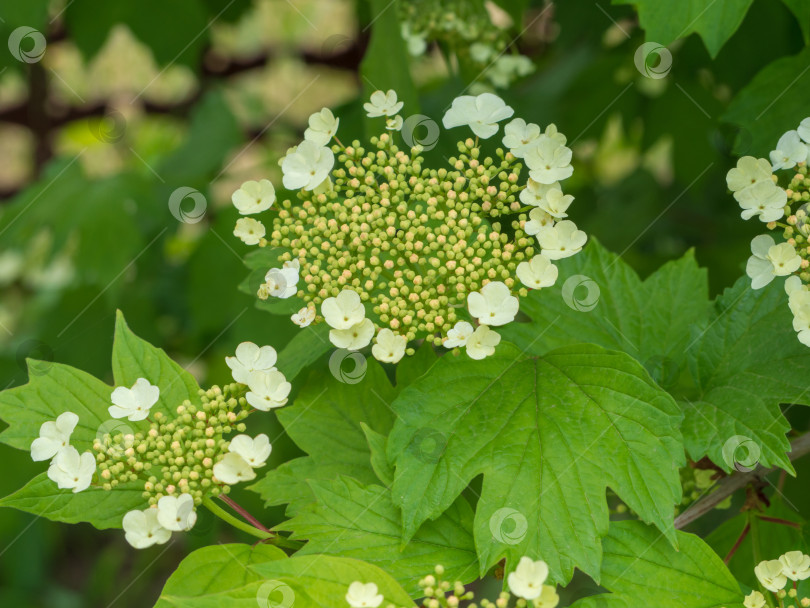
(736, 546)
(243, 512)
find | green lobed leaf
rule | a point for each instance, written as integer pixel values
(801, 9)
(377, 445)
(353, 520)
(639, 565)
(548, 435)
(219, 575)
(666, 22)
(304, 349)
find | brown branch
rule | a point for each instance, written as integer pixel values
(728, 485)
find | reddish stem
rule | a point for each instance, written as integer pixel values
(236, 507)
(737, 544)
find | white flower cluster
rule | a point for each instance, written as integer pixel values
(774, 574)
(68, 468)
(255, 367)
(757, 190)
(346, 240)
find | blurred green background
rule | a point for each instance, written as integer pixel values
(132, 100)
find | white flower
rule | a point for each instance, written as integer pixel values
(307, 167)
(764, 199)
(795, 565)
(142, 530)
(482, 342)
(251, 358)
(493, 304)
(789, 151)
(354, 338)
(176, 513)
(304, 317)
(481, 114)
(389, 347)
(537, 273)
(535, 193)
(134, 403)
(528, 578)
(254, 450)
(538, 220)
(53, 436)
(383, 104)
(749, 171)
(267, 390)
(233, 469)
(70, 470)
(363, 596)
(282, 282)
(518, 135)
(254, 197)
(799, 302)
(804, 130)
(508, 67)
(561, 240)
(344, 310)
(548, 160)
(458, 335)
(754, 600)
(322, 127)
(770, 260)
(548, 598)
(250, 231)
(394, 124)
(417, 44)
(481, 52)
(770, 575)
(548, 198)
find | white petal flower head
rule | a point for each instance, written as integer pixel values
(354, 338)
(255, 450)
(770, 574)
(251, 358)
(363, 595)
(799, 302)
(555, 203)
(383, 104)
(481, 52)
(233, 469)
(528, 578)
(254, 197)
(804, 130)
(176, 513)
(548, 160)
(548, 598)
(389, 347)
(764, 199)
(344, 310)
(795, 565)
(249, 231)
(538, 220)
(307, 167)
(535, 193)
(789, 151)
(71, 470)
(459, 335)
(519, 135)
(537, 273)
(53, 436)
(481, 113)
(770, 260)
(323, 126)
(142, 529)
(749, 171)
(394, 124)
(482, 342)
(268, 390)
(134, 403)
(754, 600)
(304, 317)
(494, 304)
(562, 240)
(282, 282)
